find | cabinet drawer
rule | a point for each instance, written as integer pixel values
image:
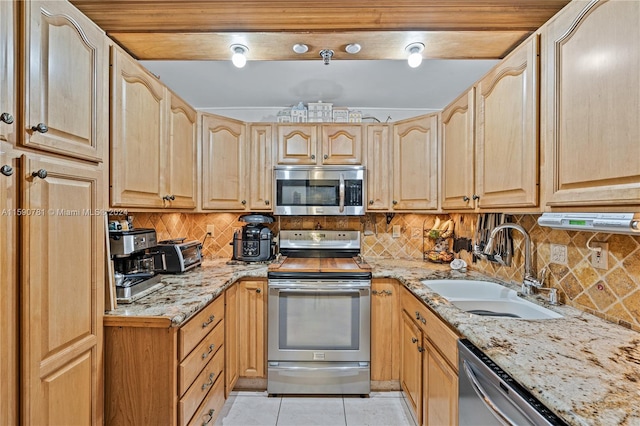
(199, 326)
(200, 357)
(211, 407)
(203, 384)
(442, 337)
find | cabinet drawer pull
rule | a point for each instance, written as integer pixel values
(326, 156)
(313, 157)
(266, 202)
(420, 349)
(414, 340)
(476, 197)
(40, 128)
(258, 290)
(209, 321)
(210, 382)
(6, 170)
(395, 202)
(6, 118)
(42, 174)
(387, 292)
(210, 415)
(370, 202)
(206, 354)
(465, 198)
(374, 292)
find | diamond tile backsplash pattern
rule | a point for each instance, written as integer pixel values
(612, 294)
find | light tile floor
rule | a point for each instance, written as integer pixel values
(258, 409)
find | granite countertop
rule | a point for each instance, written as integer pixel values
(583, 368)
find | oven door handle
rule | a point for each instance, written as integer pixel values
(320, 290)
(479, 390)
(341, 193)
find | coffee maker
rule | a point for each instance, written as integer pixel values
(254, 242)
(133, 264)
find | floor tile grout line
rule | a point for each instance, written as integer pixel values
(279, 408)
(344, 411)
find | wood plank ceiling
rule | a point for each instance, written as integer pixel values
(205, 29)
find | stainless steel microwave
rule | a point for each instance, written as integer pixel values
(319, 190)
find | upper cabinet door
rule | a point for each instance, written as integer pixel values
(592, 97)
(223, 164)
(507, 131)
(457, 135)
(181, 154)
(66, 81)
(297, 144)
(261, 167)
(8, 43)
(341, 144)
(378, 167)
(137, 134)
(415, 163)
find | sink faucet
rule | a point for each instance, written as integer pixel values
(529, 281)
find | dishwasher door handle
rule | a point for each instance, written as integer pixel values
(477, 387)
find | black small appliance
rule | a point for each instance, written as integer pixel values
(254, 242)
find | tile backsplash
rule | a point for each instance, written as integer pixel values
(613, 293)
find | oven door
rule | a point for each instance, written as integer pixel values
(321, 321)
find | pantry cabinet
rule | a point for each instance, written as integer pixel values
(8, 72)
(591, 57)
(261, 167)
(429, 363)
(9, 289)
(340, 144)
(458, 159)
(181, 367)
(252, 323)
(385, 319)
(66, 80)
(224, 164)
(62, 277)
(379, 163)
(415, 164)
(507, 142)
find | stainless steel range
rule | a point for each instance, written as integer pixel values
(319, 315)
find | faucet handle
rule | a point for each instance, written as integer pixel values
(543, 276)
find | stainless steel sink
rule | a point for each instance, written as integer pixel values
(486, 298)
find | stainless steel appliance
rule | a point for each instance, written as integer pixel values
(489, 396)
(133, 264)
(319, 317)
(319, 190)
(254, 242)
(177, 256)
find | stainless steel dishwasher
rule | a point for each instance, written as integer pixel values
(489, 396)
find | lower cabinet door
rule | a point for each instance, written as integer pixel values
(440, 389)
(411, 364)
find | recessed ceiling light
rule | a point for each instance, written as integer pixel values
(353, 48)
(239, 57)
(415, 54)
(300, 48)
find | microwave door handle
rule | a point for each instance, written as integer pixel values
(341, 193)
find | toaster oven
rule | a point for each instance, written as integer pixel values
(177, 256)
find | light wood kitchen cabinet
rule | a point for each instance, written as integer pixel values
(379, 163)
(224, 164)
(9, 290)
(231, 371)
(591, 92)
(433, 395)
(138, 120)
(340, 144)
(182, 367)
(458, 159)
(181, 154)
(8, 71)
(507, 142)
(252, 323)
(61, 289)
(415, 164)
(66, 81)
(385, 319)
(411, 364)
(260, 167)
